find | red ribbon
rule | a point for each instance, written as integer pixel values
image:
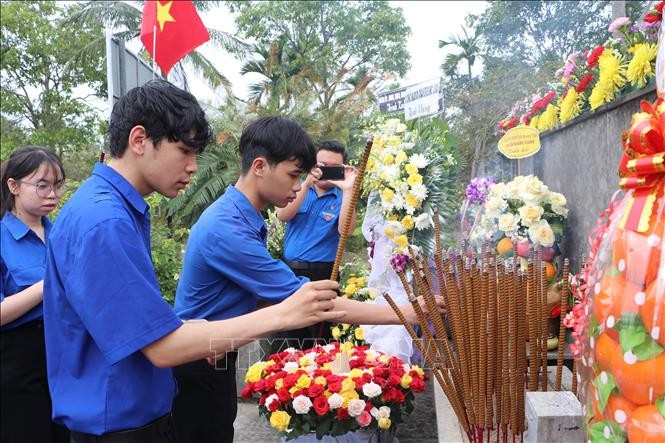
(642, 165)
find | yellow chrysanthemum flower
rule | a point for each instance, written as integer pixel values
(534, 122)
(411, 168)
(336, 334)
(571, 106)
(548, 119)
(408, 222)
(641, 69)
(402, 241)
(360, 282)
(350, 289)
(400, 157)
(387, 194)
(412, 200)
(611, 78)
(414, 179)
(359, 334)
(393, 217)
(388, 159)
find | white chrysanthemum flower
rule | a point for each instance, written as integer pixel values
(391, 172)
(419, 160)
(398, 201)
(419, 191)
(423, 221)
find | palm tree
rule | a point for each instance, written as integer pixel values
(469, 46)
(125, 19)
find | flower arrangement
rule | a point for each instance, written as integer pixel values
(355, 288)
(594, 77)
(276, 233)
(407, 176)
(523, 209)
(476, 194)
(299, 393)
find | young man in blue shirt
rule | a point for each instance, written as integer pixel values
(227, 267)
(110, 338)
(313, 230)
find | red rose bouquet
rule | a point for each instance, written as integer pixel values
(302, 392)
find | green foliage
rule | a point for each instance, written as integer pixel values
(276, 233)
(327, 42)
(37, 96)
(168, 246)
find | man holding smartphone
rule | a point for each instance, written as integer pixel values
(314, 227)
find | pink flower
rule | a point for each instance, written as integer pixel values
(364, 419)
(618, 23)
(569, 320)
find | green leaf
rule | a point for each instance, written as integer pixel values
(660, 405)
(647, 350)
(323, 428)
(606, 432)
(630, 338)
(594, 327)
(604, 389)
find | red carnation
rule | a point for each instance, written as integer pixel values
(417, 384)
(584, 82)
(342, 414)
(593, 57)
(314, 390)
(321, 405)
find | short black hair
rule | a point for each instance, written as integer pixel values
(164, 110)
(277, 139)
(334, 146)
(21, 163)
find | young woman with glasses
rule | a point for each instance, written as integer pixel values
(31, 185)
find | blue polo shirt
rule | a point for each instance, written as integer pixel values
(312, 235)
(22, 260)
(102, 305)
(227, 266)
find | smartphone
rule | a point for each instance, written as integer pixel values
(332, 173)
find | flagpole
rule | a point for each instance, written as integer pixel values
(154, 50)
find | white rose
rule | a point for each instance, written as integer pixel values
(560, 210)
(291, 367)
(356, 407)
(541, 233)
(392, 124)
(302, 404)
(508, 222)
(557, 199)
(335, 401)
(400, 128)
(495, 204)
(382, 412)
(530, 214)
(371, 390)
(423, 221)
(533, 189)
(498, 190)
(271, 398)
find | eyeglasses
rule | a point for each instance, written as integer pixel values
(44, 189)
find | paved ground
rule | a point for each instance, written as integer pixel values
(420, 427)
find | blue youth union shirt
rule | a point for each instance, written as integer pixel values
(312, 235)
(22, 262)
(227, 266)
(102, 305)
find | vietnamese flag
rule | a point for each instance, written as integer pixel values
(170, 30)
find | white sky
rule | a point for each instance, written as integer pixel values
(430, 21)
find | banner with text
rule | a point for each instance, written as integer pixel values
(423, 99)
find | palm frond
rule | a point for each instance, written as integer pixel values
(230, 42)
(207, 70)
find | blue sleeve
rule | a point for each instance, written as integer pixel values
(243, 258)
(115, 292)
(3, 276)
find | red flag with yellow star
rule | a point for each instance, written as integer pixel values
(170, 30)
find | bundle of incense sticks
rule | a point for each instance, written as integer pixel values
(346, 221)
(491, 307)
(562, 328)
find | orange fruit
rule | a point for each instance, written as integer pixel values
(550, 269)
(612, 296)
(646, 425)
(653, 310)
(604, 349)
(505, 247)
(641, 382)
(638, 255)
(619, 409)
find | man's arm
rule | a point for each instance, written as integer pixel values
(310, 304)
(289, 211)
(346, 186)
